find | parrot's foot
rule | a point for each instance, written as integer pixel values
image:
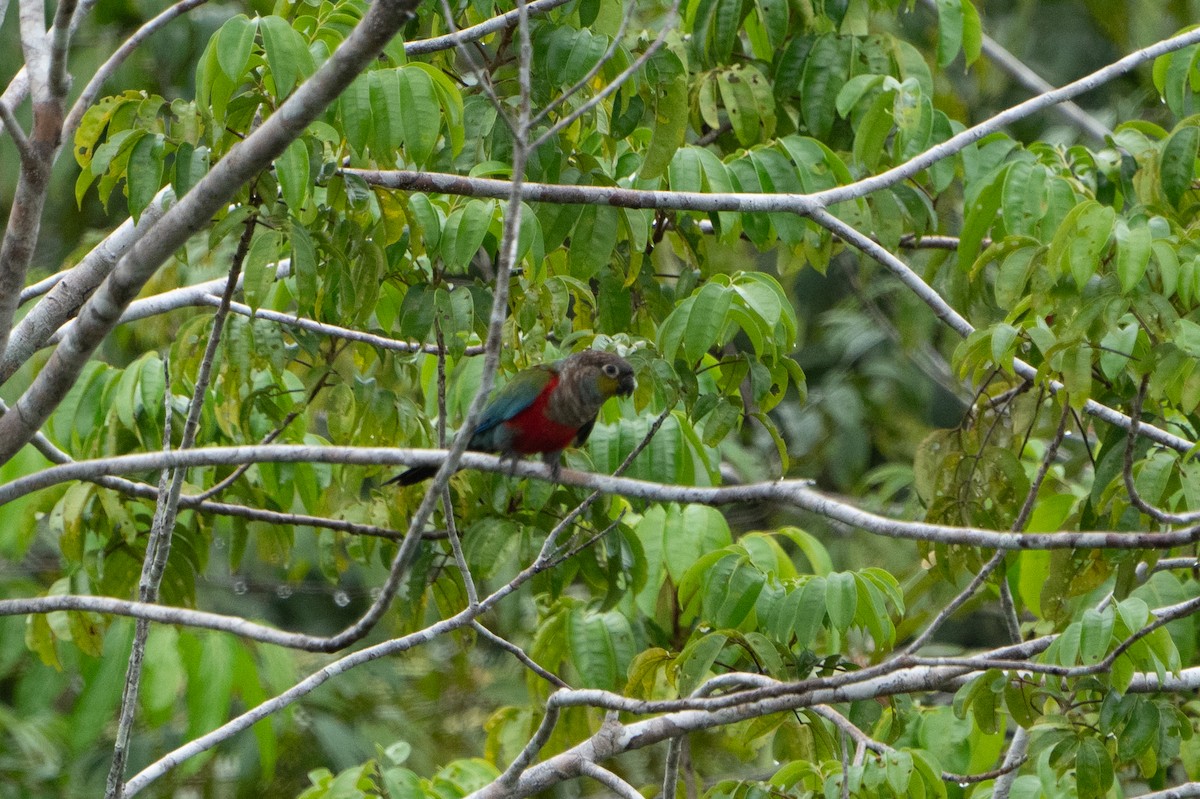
(554, 463)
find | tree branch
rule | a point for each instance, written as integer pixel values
(9, 123)
(797, 493)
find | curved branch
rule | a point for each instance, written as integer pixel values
(797, 493)
(164, 614)
(961, 141)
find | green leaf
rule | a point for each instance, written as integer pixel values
(841, 599)
(1133, 252)
(853, 92)
(873, 130)
(705, 320)
(696, 660)
(689, 532)
(1077, 374)
(812, 549)
(287, 54)
(670, 123)
(601, 647)
(727, 20)
(304, 266)
(810, 609)
(593, 240)
(1080, 239)
(209, 661)
(144, 177)
(259, 268)
(774, 17)
(732, 596)
(972, 35)
(747, 98)
(979, 218)
(824, 75)
(950, 30)
(1178, 166)
(1093, 769)
(233, 43)
(1095, 635)
(191, 164)
(1141, 732)
(420, 113)
(465, 232)
(292, 170)
(356, 112)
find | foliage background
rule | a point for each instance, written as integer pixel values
(825, 358)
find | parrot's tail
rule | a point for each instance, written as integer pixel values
(413, 475)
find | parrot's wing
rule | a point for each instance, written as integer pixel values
(516, 395)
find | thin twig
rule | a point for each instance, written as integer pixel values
(148, 585)
(846, 726)
(626, 17)
(520, 655)
(24, 149)
(609, 780)
(1135, 498)
(1026, 511)
(1012, 760)
(616, 82)
(952, 607)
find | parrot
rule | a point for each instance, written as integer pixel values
(544, 409)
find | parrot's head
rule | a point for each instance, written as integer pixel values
(602, 374)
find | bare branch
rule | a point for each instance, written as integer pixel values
(952, 607)
(797, 493)
(475, 32)
(445, 183)
(1006, 117)
(9, 123)
(1184, 791)
(164, 614)
(609, 780)
(845, 725)
(1015, 755)
(153, 564)
(201, 503)
(520, 655)
(60, 42)
(36, 47)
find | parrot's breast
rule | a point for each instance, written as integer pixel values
(533, 431)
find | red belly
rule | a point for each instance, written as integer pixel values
(534, 432)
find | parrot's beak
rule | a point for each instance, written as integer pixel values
(625, 385)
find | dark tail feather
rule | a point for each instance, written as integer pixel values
(413, 475)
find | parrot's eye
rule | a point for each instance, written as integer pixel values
(610, 369)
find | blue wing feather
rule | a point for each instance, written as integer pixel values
(515, 396)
